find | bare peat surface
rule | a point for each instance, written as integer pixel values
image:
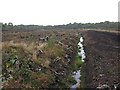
(102, 65)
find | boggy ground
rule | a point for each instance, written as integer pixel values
(39, 59)
(49, 64)
(102, 66)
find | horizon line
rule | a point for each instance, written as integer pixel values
(60, 24)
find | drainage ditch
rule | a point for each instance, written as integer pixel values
(77, 73)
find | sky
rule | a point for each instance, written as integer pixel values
(57, 12)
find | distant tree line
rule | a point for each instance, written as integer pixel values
(101, 25)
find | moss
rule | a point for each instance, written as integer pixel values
(77, 63)
(71, 80)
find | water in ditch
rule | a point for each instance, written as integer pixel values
(77, 74)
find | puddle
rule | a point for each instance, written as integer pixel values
(76, 74)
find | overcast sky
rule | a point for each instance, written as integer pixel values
(54, 12)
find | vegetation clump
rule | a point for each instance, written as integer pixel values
(37, 64)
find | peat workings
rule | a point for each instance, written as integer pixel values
(101, 69)
(39, 59)
(48, 58)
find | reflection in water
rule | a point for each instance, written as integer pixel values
(76, 77)
(77, 74)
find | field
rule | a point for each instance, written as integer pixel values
(47, 59)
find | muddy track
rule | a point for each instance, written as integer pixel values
(101, 66)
